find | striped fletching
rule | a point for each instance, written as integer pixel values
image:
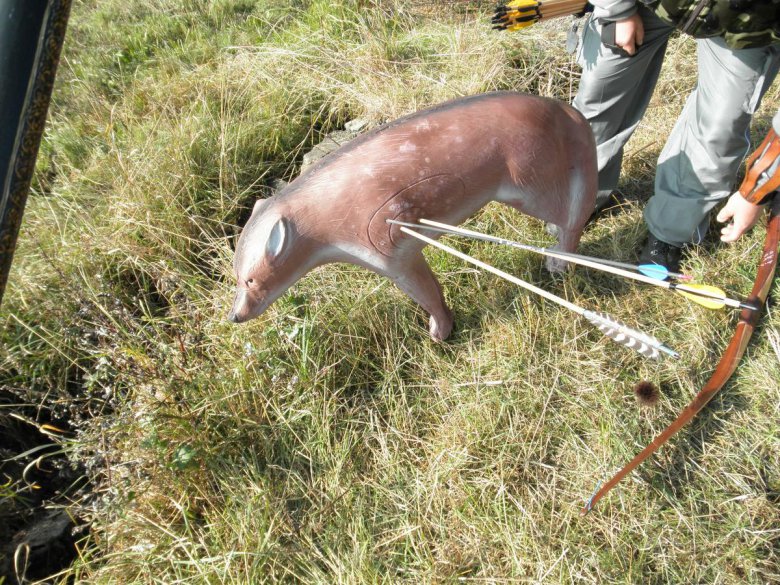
(621, 333)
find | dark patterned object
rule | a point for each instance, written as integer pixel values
(31, 37)
(741, 23)
(657, 252)
(646, 393)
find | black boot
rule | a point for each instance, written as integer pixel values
(657, 252)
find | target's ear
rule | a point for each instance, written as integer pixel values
(259, 204)
(277, 240)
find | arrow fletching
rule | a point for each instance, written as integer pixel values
(621, 333)
(708, 296)
(519, 14)
(654, 271)
(660, 272)
(516, 15)
(705, 300)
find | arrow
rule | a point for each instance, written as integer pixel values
(652, 270)
(656, 271)
(707, 296)
(519, 14)
(619, 332)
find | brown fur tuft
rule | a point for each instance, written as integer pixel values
(646, 393)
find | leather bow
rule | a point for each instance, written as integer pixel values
(758, 165)
(728, 362)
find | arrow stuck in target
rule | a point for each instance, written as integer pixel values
(619, 332)
(705, 295)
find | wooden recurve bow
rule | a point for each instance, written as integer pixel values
(748, 320)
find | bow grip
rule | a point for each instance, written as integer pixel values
(758, 163)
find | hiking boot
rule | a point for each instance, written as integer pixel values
(657, 252)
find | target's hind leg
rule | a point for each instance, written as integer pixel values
(568, 239)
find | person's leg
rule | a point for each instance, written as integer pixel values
(614, 92)
(701, 158)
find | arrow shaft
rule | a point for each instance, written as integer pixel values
(612, 328)
(592, 263)
(479, 236)
(584, 261)
(513, 279)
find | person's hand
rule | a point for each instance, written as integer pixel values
(630, 33)
(742, 214)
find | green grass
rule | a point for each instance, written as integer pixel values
(331, 440)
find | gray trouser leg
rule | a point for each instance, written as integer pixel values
(614, 92)
(701, 158)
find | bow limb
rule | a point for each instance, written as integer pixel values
(728, 362)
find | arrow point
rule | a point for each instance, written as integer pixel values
(669, 351)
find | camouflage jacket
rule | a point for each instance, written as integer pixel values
(741, 23)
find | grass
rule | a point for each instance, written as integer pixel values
(331, 440)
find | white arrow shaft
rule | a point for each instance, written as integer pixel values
(645, 344)
(453, 230)
(554, 254)
(496, 271)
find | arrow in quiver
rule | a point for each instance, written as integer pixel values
(519, 14)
